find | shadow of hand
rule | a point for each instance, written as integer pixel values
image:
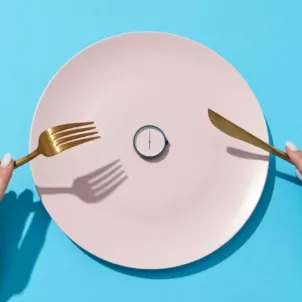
(20, 246)
(94, 186)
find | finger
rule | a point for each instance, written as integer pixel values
(299, 175)
(295, 155)
(6, 171)
(296, 159)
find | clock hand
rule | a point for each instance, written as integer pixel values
(149, 139)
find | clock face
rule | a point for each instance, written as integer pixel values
(149, 141)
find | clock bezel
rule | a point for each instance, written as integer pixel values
(148, 127)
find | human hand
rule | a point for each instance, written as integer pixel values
(295, 155)
(6, 171)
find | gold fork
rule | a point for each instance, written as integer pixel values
(55, 140)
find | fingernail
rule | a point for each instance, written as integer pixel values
(6, 160)
(291, 146)
(299, 175)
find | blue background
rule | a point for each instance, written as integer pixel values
(262, 39)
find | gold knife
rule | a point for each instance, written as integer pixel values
(235, 131)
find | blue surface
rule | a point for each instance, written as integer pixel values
(263, 40)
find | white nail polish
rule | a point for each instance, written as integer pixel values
(6, 160)
(291, 146)
(299, 175)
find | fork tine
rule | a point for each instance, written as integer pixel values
(72, 138)
(58, 128)
(75, 143)
(65, 133)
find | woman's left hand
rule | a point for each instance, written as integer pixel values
(6, 171)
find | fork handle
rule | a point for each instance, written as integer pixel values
(23, 160)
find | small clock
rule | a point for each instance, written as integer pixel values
(149, 142)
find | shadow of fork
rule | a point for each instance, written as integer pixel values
(93, 187)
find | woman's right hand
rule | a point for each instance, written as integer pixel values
(295, 156)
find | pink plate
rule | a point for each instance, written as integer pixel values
(158, 213)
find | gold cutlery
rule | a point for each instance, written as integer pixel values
(235, 131)
(56, 139)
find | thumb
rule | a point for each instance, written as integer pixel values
(6, 171)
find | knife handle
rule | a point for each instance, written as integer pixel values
(255, 141)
